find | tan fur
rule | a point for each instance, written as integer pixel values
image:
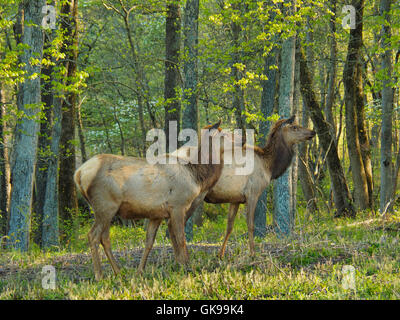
(133, 188)
(270, 162)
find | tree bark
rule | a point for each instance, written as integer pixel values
(267, 108)
(50, 224)
(330, 96)
(190, 111)
(283, 185)
(44, 141)
(341, 194)
(67, 193)
(363, 137)
(4, 174)
(387, 109)
(81, 135)
(350, 78)
(172, 76)
(26, 130)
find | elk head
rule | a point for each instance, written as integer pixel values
(293, 133)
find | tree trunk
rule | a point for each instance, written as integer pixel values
(341, 192)
(305, 176)
(26, 130)
(363, 134)
(190, 112)
(387, 109)
(238, 92)
(267, 108)
(81, 135)
(44, 141)
(172, 76)
(351, 85)
(3, 167)
(283, 186)
(67, 193)
(330, 96)
(50, 225)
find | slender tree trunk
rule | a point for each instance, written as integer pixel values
(172, 76)
(341, 192)
(3, 167)
(190, 112)
(44, 141)
(387, 109)
(330, 96)
(304, 170)
(50, 228)
(81, 135)
(363, 134)
(238, 93)
(283, 185)
(267, 108)
(26, 130)
(67, 194)
(350, 78)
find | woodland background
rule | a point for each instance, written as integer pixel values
(110, 70)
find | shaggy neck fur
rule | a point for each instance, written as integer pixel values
(206, 175)
(277, 153)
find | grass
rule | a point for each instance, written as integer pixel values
(308, 265)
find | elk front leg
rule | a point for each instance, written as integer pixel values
(150, 237)
(251, 206)
(233, 209)
(176, 226)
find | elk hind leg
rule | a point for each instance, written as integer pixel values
(233, 209)
(150, 237)
(94, 241)
(106, 243)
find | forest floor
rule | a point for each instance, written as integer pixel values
(311, 264)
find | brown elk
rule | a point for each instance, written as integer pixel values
(133, 188)
(270, 162)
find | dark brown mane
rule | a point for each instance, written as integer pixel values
(276, 152)
(206, 175)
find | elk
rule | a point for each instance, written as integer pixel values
(270, 162)
(132, 188)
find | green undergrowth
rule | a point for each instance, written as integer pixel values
(309, 265)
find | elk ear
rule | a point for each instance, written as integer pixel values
(290, 120)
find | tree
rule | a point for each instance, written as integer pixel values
(190, 70)
(267, 108)
(3, 166)
(283, 186)
(172, 75)
(26, 130)
(67, 194)
(387, 108)
(352, 86)
(44, 135)
(341, 193)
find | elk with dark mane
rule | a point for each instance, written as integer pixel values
(133, 188)
(270, 162)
